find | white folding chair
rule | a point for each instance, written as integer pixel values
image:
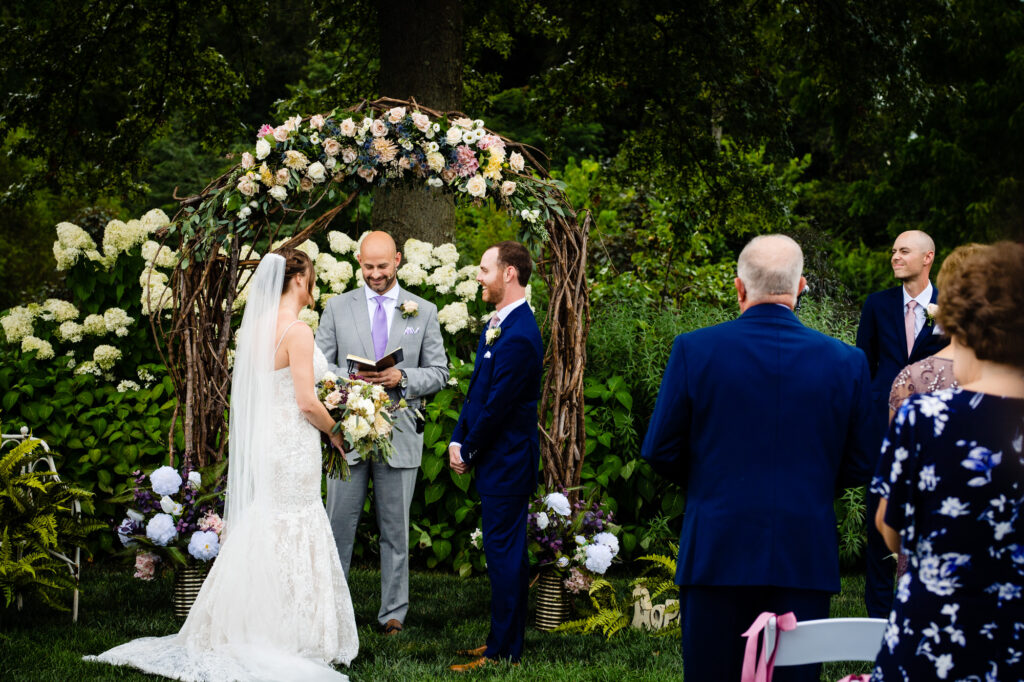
(74, 565)
(825, 640)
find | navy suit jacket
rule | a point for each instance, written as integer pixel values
(761, 420)
(497, 426)
(881, 336)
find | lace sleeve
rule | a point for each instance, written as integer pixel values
(902, 388)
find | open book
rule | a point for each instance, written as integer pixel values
(357, 364)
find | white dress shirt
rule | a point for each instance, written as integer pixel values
(920, 312)
(389, 305)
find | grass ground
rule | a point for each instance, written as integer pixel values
(449, 613)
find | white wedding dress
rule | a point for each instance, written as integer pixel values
(275, 605)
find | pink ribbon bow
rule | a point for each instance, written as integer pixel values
(760, 670)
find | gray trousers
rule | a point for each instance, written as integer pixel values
(393, 489)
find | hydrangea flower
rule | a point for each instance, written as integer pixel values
(117, 321)
(609, 541)
(105, 356)
(467, 290)
(446, 254)
(165, 481)
(119, 237)
(153, 220)
(310, 317)
(161, 529)
(44, 351)
(454, 317)
(443, 279)
(412, 274)
(61, 311)
(127, 385)
(159, 256)
(599, 558)
(340, 242)
(417, 252)
(204, 545)
(95, 325)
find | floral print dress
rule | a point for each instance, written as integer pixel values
(952, 471)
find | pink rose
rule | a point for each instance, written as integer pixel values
(488, 141)
(448, 175)
(397, 114)
(463, 122)
(247, 186)
(283, 176)
(265, 129)
(280, 133)
(421, 121)
(212, 521)
(378, 128)
(331, 147)
(332, 400)
(348, 127)
(515, 161)
(348, 154)
(367, 173)
(316, 121)
(145, 565)
(248, 160)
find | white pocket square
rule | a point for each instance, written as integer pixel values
(412, 330)
(487, 354)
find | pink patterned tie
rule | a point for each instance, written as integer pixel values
(908, 322)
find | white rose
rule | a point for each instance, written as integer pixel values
(515, 161)
(262, 149)
(246, 186)
(316, 121)
(477, 186)
(378, 128)
(195, 479)
(247, 160)
(421, 121)
(317, 172)
(330, 163)
(436, 161)
(507, 188)
(435, 182)
(396, 114)
(542, 520)
(279, 192)
(454, 135)
(348, 127)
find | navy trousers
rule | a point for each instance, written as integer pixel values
(880, 570)
(508, 568)
(713, 620)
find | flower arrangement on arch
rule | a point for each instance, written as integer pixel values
(289, 162)
(172, 519)
(364, 413)
(577, 539)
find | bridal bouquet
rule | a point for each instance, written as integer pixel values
(172, 518)
(578, 540)
(364, 413)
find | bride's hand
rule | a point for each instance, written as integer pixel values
(338, 441)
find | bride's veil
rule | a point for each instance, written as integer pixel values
(252, 392)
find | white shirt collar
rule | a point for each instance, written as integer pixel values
(923, 299)
(391, 293)
(504, 312)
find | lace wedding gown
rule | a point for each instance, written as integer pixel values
(275, 605)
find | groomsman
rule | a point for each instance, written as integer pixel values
(496, 435)
(371, 322)
(894, 332)
(759, 419)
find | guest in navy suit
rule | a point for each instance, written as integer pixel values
(496, 436)
(760, 420)
(894, 332)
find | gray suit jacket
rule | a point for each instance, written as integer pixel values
(345, 329)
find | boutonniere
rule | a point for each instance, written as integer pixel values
(930, 311)
(492, 335)
(409, 309)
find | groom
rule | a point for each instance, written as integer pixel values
(497, 436)
(372, 321)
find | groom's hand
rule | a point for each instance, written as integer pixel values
(455, 459)
(389, 378)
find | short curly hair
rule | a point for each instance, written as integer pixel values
(982, 305)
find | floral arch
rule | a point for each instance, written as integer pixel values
(295, 180)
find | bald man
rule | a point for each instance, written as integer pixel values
(759, 420)
(894, 332)
(369, 322)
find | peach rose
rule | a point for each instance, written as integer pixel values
(316, 121)
(248, 161)
(396, 114)
(280, 133)
(421, 121)
(378, 128)
(348, 127)
(331, 147)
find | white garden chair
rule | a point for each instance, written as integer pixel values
(818, 641)
(74, 565)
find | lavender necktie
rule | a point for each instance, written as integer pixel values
(379, 332)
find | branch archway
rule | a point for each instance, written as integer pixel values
(296, 180)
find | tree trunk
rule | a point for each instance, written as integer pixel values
(421, 59)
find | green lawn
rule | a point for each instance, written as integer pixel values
(448, 613)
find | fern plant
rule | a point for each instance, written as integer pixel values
(610, 613)
(40, 526)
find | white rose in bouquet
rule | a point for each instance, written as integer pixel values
(558, 503)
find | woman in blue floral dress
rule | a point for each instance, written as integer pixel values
(952, 479)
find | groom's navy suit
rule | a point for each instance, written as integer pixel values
(881, 335)
(497, 430)
(759, 419)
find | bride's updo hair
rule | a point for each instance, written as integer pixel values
(296, 263)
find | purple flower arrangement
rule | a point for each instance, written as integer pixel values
(171, 519)
(576, 539)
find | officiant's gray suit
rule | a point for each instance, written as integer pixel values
(345, 328)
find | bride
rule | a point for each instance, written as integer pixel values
(275, 605)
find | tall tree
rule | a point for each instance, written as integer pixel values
(420, 58)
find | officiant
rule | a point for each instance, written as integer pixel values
(372, 322)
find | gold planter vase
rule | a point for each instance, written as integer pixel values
(552, 601)
(188, 580)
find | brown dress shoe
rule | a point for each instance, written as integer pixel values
(472, 665)
(392, 627)
(474, 653)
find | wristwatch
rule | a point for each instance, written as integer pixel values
(403, 383)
